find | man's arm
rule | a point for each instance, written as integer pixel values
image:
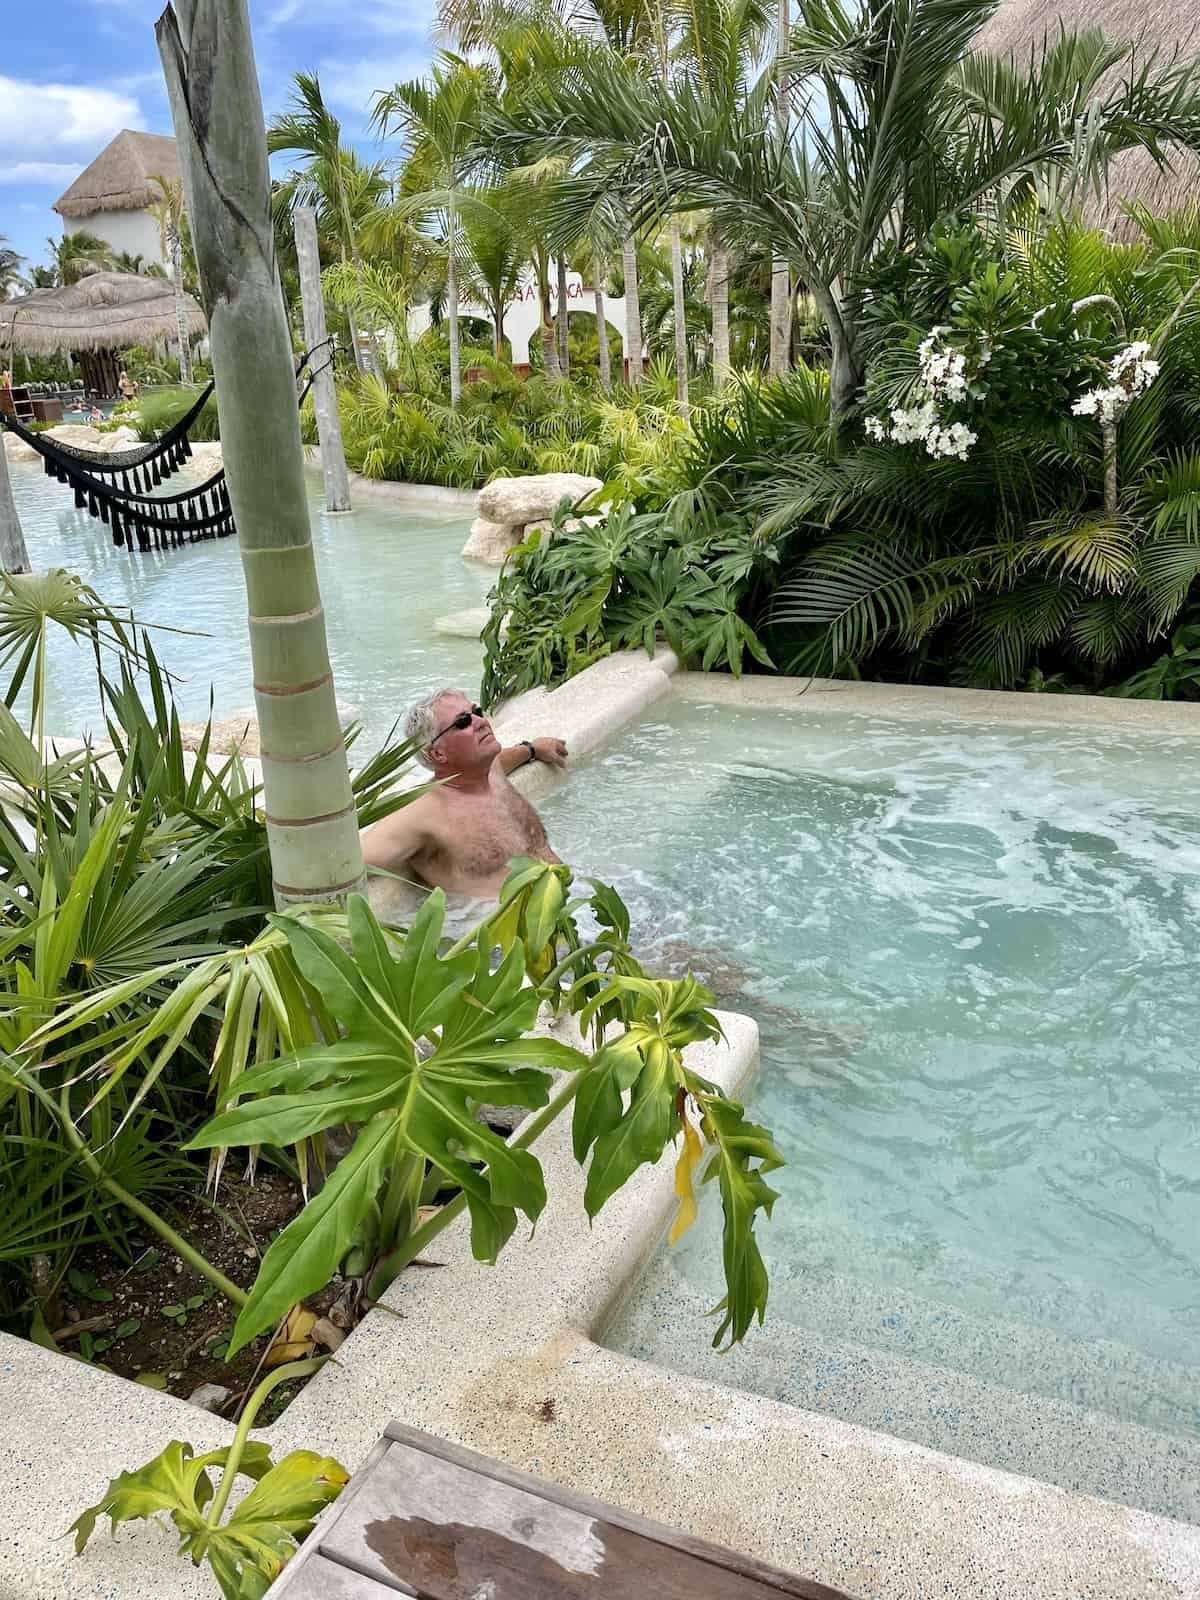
(553, 752)
(393, 840)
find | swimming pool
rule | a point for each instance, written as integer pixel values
(385, 575)
(971, 952)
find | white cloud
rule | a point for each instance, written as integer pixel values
(351, 84)
(59, 173)
(35, 117)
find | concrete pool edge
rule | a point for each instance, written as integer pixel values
(388, 491)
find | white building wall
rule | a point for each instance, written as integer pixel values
(522, 318)
(134, 231)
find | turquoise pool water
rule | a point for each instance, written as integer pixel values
(972, 953)
(385, 577)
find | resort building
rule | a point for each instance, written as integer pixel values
(112, 197)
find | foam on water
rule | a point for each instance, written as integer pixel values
(971, 951)
(385, 575)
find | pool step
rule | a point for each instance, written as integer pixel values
(1054, 1439)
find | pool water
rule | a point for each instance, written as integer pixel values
(385, 576)
(971, 950)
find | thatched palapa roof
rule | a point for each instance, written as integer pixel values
(104, 311)
(121, 178)
(1160, 28)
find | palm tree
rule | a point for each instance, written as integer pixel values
(10, 265)
(493, 271)
(439, 118)
(311, 130)
(42, 277)
(900, 129)
(126, 261)
(77, 254)
(168, 211)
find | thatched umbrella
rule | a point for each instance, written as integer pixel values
(1157, 28)
(102, 314)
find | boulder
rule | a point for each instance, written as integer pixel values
(121, 438)
(462, 624)
(490, 541)
(517, 501)
(78, 434)
(17, 450)
(239, 731)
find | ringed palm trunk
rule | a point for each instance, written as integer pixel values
(633, 310)
(312, 829)
(719, 291)
(355, 335)
(564, 355)
(680, 314)
(185, 344)
(601, 326)
(546, 324)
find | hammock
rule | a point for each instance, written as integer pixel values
(142, 468)
(114, 488)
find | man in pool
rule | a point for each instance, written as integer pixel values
(461, 835)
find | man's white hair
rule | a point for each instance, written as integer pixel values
(421, 721)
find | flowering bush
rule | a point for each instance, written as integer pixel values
(1130, 373)
(943, 380)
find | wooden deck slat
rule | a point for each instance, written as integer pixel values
(427, 1518)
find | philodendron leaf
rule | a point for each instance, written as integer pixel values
(306, 1254)
(641, 1133)
(176, 1482)
(743, 1192)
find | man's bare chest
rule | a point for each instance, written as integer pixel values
(480, 834)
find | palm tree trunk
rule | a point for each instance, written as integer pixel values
(680, 315)
(498, 329)
(719, 290)
(13, 555)
(564, 355)
(355, 336)
(452, 317)
(185, 344)
(779, 359)
(546, 324)
(312, 826)
(325, 404)
(601, 325)
(633, 311)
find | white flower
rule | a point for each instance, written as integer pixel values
(875, 428)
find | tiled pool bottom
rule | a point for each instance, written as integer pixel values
(970, 951)
(386, 574)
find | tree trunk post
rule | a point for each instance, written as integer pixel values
(564, 354)
(633, 311)
(312, 828)
(601, 325)
(546, 331)
(719, 281)
(779, 359)
(13, 555)
(680, 315)
(452, 318)
(324, 391)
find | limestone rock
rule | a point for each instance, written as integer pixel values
(520, 500)
(462, 624)
(121, 438)
(490, 541)
(239, 731)
(17, 450)
(78, 434)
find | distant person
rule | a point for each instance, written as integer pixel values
(5, 379)
(95, 415)
(127, 386)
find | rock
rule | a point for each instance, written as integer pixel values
(78, 434)
(517, 501)
(490, 541)
(239, 731)
(209, 1396)
(121, 438)
(17, 450)
(462, 624)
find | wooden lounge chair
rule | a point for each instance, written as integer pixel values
(429, 1519)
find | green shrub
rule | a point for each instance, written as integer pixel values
(160, 409)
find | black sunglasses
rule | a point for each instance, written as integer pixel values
(461, 721)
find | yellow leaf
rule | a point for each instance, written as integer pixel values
(685, 1167)
(294, 1340)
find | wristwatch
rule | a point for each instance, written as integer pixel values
(529, 745)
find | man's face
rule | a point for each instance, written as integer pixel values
(463, 748)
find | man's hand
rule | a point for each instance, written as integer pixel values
(552, 751)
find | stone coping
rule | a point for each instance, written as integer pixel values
(842, 696)
(404, 496)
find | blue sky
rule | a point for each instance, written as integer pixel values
(73, 74)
